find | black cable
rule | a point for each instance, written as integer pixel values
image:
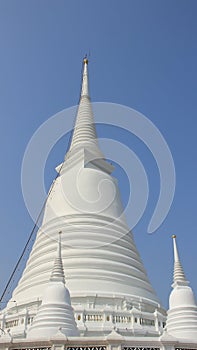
(30, 237)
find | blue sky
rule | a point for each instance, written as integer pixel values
(143, 55)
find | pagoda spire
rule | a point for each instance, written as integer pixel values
(85, 84)
(179, 276)
(57, 274)
(84, 133)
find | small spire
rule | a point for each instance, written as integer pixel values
(57, 274)
(179, 275)
(84, 87)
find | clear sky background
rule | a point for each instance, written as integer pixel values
(143, 55)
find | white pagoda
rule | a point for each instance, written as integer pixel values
(87, 288)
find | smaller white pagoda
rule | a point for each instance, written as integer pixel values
(55, 312)
(182, 313)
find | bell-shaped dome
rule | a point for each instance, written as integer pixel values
(182, 295)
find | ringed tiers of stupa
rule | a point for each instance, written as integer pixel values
(84, 285)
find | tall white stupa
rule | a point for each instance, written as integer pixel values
(107, 290)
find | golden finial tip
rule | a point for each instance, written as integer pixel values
(85, 60)
(173, 236)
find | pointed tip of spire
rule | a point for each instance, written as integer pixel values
(59, 237)
(59, 245)
(84, 87)
(176, 254)
(179, 276)
(85, 60)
